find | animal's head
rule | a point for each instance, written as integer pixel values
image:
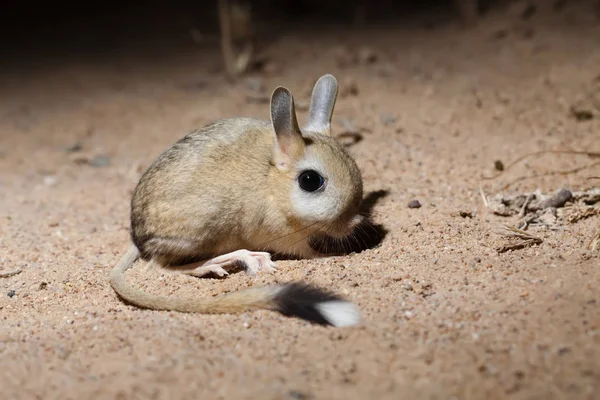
(323, 184)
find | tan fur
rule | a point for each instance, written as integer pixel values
(227, 187)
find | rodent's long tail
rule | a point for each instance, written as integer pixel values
(291, 299)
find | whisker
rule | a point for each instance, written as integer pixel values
(373, 229)
(303, 238)
(360, 242)
(264, 244)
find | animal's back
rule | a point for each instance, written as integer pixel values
(201, 181)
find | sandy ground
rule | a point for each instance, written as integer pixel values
(445, 315)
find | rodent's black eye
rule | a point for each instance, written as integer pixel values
(310, 180)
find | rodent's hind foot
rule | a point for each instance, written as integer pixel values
(253, 262)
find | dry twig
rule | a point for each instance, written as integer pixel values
(551, 173)
(10, 273)
(523, 239)
(594, 242)
(591, 154)
(484, 197)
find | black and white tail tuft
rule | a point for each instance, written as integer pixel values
(316, 305)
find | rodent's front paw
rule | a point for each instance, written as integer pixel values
(256, 261)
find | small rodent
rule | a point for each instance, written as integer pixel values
(239, 189)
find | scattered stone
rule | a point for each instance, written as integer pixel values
(11, 293)
(297, 395)
(50, 180)
(387, 119)
(558, 200)
(581, 114)
(462, 214)
(351, 89)
(99, 161)
(74, 148)
(499, 165)
(43, 286)
(366, 56)
(414, 204)
(563, 350)
(86, 159)
(80, 159)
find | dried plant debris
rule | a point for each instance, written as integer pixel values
(579, 213)
(519, 239)
(594, 243)
(6, 274)
(543, 210)
(546, 209)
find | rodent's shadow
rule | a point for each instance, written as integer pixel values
(367, 235)
(370, 233)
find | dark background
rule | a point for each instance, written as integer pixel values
(29, 30)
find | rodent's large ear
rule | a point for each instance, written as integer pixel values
(322, 103)
(288, 143)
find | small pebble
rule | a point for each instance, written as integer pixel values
(499, 165)
(50, 180)
(74, 148)
(559, 199)
(582, 114)
(11, 293)
(414, 204)
(100, 161)
(297, 395)
(351, 89)
(465, 214)
(387, 119)
(366, 56)
(563, 350)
